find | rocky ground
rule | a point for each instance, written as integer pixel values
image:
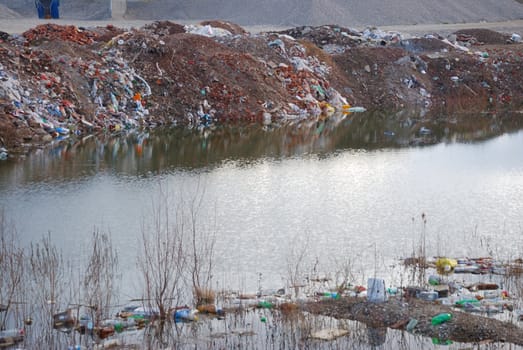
(63, 81)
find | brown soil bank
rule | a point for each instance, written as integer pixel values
(396, 313)
(63, 81)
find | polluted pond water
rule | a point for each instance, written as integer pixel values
(209, 145)
(482, 295)
(464, 304)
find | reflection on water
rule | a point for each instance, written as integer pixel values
(246, 330)
(326, 180)
(269, 188)
(147, 153)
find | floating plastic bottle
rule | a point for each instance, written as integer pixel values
(441, 318)
(411, 325)
(265, 305)
(11, 333)
(356, 109)
(331, 295)
(185, 315)
(437, 341)
(466, 301)
(434, 280)
(392, 290)
(11, 337)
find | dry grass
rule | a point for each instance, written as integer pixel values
(204, 296)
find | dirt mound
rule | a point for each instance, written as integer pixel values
(57, 32)
(233, 28)
(163, 28)
(482, 36)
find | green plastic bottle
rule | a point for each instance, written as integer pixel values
(437, 341)
(466, 301)
(441, 318)
(118, 327)
(265, 305)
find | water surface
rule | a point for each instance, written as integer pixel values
(330, 190)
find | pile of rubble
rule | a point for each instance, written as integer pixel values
(59, 32)
(63, 81)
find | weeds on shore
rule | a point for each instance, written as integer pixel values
(169, 243)
(47, 295)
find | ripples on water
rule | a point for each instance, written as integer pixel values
(327, 185)
(342, 191)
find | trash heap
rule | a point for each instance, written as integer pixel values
(306, 79)
(129, 319)
(77, 93)
(51, 31)
(336, 40)
(11, 337)
(63, 81)
(474, 296)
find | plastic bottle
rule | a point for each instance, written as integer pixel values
(118, 327)
(434, 280)
(392, 290)
(331, 295)
(265, 305)
(12, 333)
(412, 324)
(466, 301)
(441, 318)
(437, 341)
(185, 314)
(356, 109)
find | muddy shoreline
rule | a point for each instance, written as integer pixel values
(396, 313)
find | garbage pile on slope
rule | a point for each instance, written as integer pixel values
(59, 92)
(57, 81)
(59, 32)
